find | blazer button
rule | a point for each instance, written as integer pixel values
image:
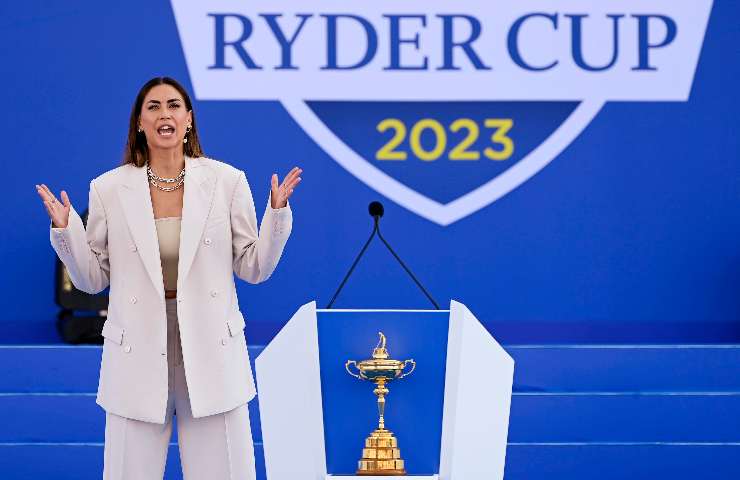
(133, 248)
(214, 293)
(223, 341)
(133, 299)
(127, 348)
(207, 241)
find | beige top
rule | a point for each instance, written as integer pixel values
(168, 233)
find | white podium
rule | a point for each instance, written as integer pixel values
(477, 382)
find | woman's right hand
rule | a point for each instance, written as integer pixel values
(58, 212)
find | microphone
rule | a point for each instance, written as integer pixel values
(376, 210)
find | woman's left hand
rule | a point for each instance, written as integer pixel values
(280, 194)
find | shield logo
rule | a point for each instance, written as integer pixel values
(443, 111)
(437, 208)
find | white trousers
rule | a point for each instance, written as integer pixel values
(216, 447)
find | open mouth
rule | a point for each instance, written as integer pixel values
(166, 131)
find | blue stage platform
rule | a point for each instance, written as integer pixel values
(578, 412)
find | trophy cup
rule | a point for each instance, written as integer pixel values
(381, 455)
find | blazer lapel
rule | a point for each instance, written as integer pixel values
(136, 202)
(200, 185)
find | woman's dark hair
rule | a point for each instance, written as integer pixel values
(137, 151)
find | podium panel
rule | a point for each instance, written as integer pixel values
(413, 410)
(450, 416)
(288, 379)
(479, 379)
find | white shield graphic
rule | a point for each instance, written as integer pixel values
(444, 214)
(289, 51)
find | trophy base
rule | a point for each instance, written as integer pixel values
(330, 476)
(381, 455)
(380, 473)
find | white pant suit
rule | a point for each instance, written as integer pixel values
(147, 376)
(215, 447)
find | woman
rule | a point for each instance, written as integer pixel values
(167, 230)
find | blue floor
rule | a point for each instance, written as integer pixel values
(578, 412)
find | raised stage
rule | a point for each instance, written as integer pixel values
(579, 411)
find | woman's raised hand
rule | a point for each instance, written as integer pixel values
(280, 194)
(58, 211)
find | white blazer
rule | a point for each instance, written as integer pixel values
(120, 248)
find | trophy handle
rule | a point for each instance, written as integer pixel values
(346, 367)
(413, 367)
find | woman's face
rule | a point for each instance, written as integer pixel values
(164, 117)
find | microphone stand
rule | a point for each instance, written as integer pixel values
(376, 211)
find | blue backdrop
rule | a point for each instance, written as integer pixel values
(632, 232)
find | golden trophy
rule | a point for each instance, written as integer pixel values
(381, 455)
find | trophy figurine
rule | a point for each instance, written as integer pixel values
(381, 455)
